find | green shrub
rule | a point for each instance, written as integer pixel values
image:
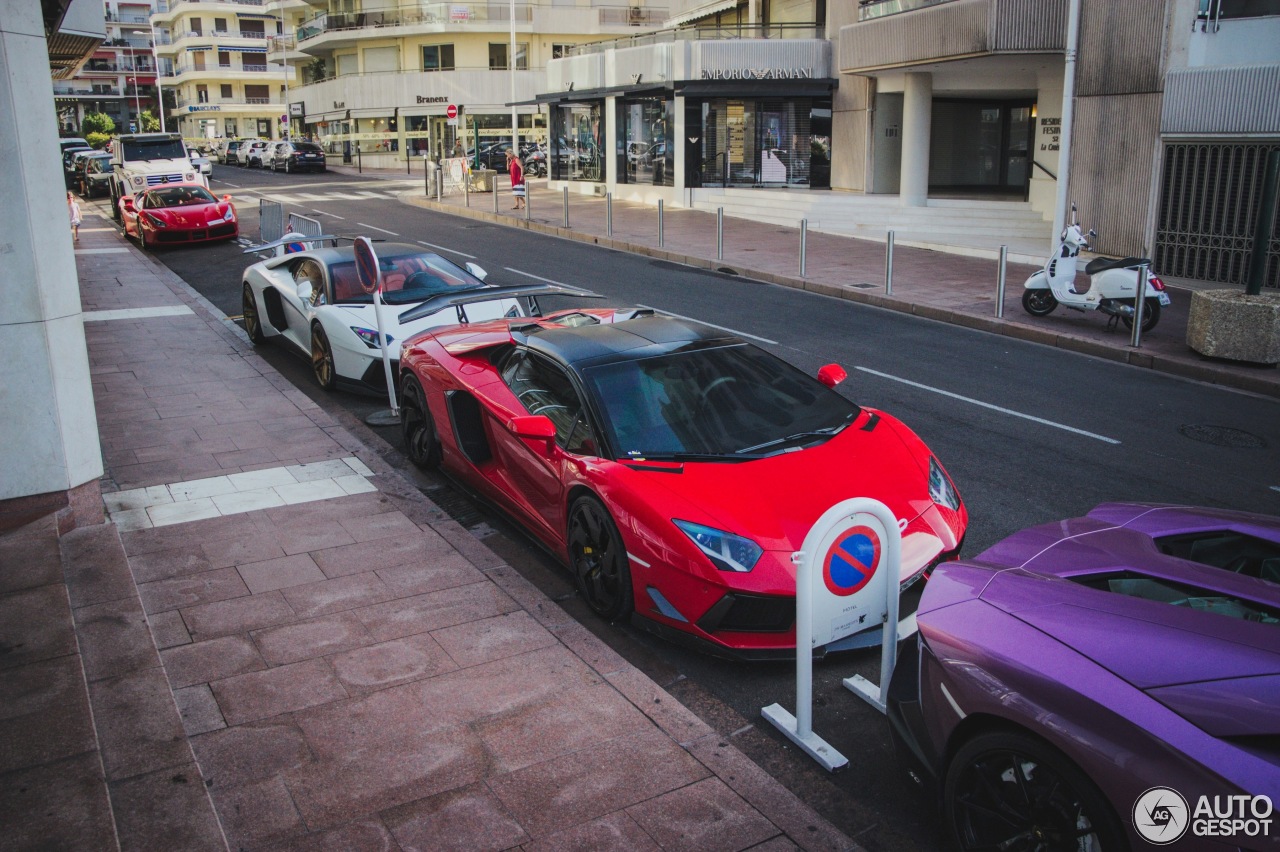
(97, 122)
(97, 140)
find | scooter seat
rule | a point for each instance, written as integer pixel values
(1101, 264)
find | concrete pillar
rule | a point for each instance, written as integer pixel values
(678, 139)
(917, 108)
(611, 143)
(50, 455)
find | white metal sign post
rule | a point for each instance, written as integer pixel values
(847, 575)
(370, 275)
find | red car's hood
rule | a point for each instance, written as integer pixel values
(774, 501)
(195, 216)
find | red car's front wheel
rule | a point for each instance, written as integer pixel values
(598, 559)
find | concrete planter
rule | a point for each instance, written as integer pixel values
(1232, 324)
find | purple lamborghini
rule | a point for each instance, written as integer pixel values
(1102, 683)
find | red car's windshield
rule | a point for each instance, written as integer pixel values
(177, 196)
(723, 401)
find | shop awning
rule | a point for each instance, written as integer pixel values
(701, 12)
(803, 88)
(332, 115)
(632, 90)
(243, 49)
(204, 47)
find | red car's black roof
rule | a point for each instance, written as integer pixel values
(605, 342)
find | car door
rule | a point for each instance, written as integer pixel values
(536, 479)
(299, 307)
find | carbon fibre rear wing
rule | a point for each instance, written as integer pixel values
(529, 292)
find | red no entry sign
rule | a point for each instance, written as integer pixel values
(451, 111)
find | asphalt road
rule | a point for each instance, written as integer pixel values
(1030, 434)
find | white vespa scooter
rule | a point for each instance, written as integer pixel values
(1111, 289)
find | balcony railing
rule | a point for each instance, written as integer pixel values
(179, 70)
(170, 38)
(183, 102)
(427, 13)
(69, 92)
(771, 31)
(868, 9)
(92, 67)
(169, 5)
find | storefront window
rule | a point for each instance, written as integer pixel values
(577, 142)
(760, 142)
(646, 155)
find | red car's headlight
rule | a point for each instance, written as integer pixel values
(155, 221)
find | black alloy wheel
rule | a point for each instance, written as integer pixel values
(252, 320)
(1150, 315)
(322, 358)
(1039, 303)
(1010, 791)
(421, 444)
(598, 559)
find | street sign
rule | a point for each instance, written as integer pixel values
(367, 265)
(451, 111)
(284, 119)
(847, 573)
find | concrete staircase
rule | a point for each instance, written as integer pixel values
(970, 227)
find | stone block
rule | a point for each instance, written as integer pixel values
(1232, 324)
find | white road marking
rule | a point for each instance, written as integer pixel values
(713, 325)
(326, 213)
(101, 251)
(442, 248)
(537, 277)
(376, 228)
(137, 313)
(982, 404)
(229, 183)
(1275, 488)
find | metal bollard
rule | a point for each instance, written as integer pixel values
(719, 233)
(494, 186)
(426, 176)
(1000, 279)
(439, 184)
(466, 188)
(565, 203)
(608, 213)
(1139, 305)
(662, 241)
(528, 200)
(804, 243)
(359, 162)
(888, 266)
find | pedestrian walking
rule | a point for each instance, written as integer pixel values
(517, 179)
(73, 208)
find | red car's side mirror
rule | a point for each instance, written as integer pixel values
(533, 426)
(832, 375)
(126, 204)
(226, 198)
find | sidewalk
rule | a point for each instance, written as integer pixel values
(948, 287)
(277, 642)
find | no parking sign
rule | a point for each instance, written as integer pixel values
(846, 581)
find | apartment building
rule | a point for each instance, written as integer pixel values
(119, 78)
(214, 57)
(378, 77)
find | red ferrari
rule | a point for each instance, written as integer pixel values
(674, 468)
(178, 213)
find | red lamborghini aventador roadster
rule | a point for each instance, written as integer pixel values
(675, 468)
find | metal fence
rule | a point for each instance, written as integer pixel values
(270, 221)
(1209, 206)
(305, 226)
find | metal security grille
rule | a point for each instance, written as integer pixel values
(1209, 203)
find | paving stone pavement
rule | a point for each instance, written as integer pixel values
(233, 662)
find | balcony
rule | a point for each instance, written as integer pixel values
(183, 103)
(772, 31)
(165, 6)
(868, 9)
(427, 13)
(223, 69)
(93, 67)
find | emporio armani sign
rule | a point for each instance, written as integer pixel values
(759, 74)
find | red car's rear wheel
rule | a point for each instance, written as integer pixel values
(418, 429)
(598, 559)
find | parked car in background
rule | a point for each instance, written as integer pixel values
(72, 142)
(298, 156)
(69, 162)
(253, 153)
(201, 162)
(313, 301)
(234, 152)
(1063, 675)
(178, 213)
(93, 175)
